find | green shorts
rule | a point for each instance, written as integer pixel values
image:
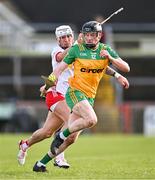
(74, 96)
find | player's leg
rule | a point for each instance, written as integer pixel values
(60, 160)
(52, 123)
(81, 107)
(70, 140)
(87, 117)
(83, 116)
(62, 111)
(40, 166)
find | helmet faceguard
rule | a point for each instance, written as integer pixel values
(63, 31)
(92, 27)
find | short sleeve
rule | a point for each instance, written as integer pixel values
(112, 52)
(70, 56)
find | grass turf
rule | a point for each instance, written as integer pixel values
(91, 157)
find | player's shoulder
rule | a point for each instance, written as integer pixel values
(74, 47)
(57, 49)
(103, 46)
(79, 47)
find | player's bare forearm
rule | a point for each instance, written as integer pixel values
(117, 62)
(120, 64)
(60, 68)
(61, 55)
(109, 71)
(120, 79)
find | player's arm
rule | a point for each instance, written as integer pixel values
(60, 68)
(120, 79)
(52, 78)
(61, 55)
(119, 63)
(115, 59)
(68, 59)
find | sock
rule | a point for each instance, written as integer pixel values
(39, 164)
(65, 134)
(46, 159)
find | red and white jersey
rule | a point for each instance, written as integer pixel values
(62, 84)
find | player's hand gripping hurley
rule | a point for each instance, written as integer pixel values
(49, 82)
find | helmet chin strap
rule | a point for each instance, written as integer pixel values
(90, 45)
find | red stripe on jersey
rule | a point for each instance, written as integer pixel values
(56, 57)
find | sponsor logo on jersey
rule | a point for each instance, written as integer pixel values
(83, 54)
(91, 70)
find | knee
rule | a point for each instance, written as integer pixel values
(92, 120)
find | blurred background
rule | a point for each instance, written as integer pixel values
(26, 41)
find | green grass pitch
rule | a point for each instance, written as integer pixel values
(91, 157)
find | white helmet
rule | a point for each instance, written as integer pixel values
(63, 31)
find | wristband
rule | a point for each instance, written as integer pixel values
(116, 75)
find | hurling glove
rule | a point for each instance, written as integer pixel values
(49, 81)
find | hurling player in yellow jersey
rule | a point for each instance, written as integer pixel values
(90, 60)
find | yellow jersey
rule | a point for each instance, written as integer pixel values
(88, 67)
